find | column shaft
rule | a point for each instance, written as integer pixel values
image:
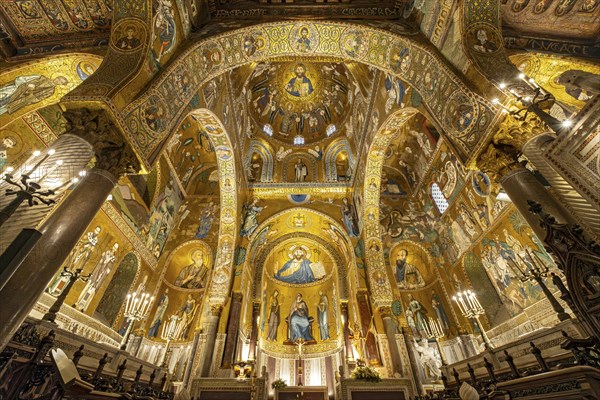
(254, 333)
(390, 332)
(212, 322)
(232, 330)
(60, 233)
(521, 185)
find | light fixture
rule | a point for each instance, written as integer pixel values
(299, 140)
(532, 98)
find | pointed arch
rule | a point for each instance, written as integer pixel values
(266, 152)
(345, 260)
(331, 154)
(381, 289)
(218, 287)
(465, 115)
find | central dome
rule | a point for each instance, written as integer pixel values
(297, 99)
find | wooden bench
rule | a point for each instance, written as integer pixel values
(72, 385)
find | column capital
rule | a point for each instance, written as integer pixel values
(237, 297)
(111, 150)
(385, 311)
(215, 310)
(498, 161)
(515, 133)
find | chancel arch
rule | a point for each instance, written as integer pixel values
(287, 231)
(465, 115)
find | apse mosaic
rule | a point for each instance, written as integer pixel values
(299, 296)
(411, 265)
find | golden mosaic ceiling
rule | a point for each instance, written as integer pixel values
(295, 99)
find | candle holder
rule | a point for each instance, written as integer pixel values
(434, 331)
(471, 308)
(168, 333)
(72, 277)
(137, 307)
(29, 187)
(537, 270)
(532, 98)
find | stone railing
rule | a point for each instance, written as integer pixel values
(74, 321)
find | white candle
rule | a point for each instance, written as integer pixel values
(127, 301)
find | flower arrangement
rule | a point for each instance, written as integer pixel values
(366, 373)
(278, 384)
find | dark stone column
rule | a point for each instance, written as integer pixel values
(521, 185)
(211, 325)
(346, 328)
(390, 332)
(192, 356)
(254, 333)
(232, 330)
(500, 163)
(366, 317)
(63, 228)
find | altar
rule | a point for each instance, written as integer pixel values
(302, 392)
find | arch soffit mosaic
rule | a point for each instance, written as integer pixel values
(376, 266)
(228, 220)
(258, 256)
(400, 56)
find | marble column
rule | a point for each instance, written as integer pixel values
(346, 328)
(210, 327)
(69, 220)
(522, 185)
(254, 332)
(390, 332)
(370, 346)
(414, 362)
(232, 330)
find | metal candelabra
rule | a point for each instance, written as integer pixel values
(471, 308)
(537, 271)
(532, 98)
(137, 307)
(28, 187)
(72, 277)
(168, 333)
(434, 331)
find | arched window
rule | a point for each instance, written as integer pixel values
(438, 198)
